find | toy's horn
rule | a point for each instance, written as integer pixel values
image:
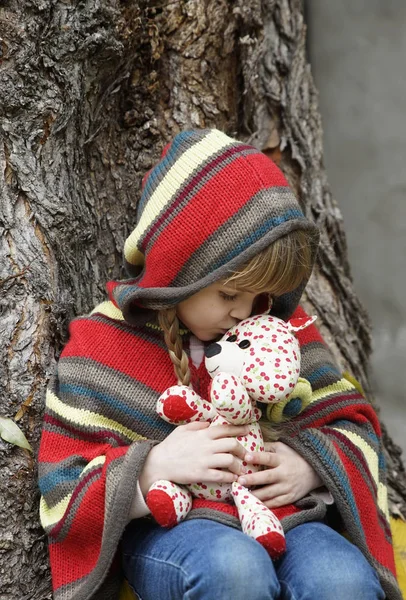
(300, 323)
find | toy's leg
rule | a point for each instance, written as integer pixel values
(169, 503)
(259, 522)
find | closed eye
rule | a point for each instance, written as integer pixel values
(228, 297)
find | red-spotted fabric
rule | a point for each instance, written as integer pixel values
(209, 205)
(101, 422)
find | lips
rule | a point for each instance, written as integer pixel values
(214, 369)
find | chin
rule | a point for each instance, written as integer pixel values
(207, 336)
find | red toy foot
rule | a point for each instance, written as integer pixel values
(259, 522)
(274, 543)
(162, 508)
(169, 503)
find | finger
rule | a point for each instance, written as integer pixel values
(229, 462)
(219, 476)
(195, 425)
(279, 501)
(222, 431)
(230, 445)
(267, 459)
(270, 446)
(267, 492)
(267, 477)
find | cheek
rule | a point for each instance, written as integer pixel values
(183, 314)
(206, 316)
(203, 312)
(211, 311)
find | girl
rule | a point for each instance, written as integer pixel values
(219, 237)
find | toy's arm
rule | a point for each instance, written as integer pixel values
(179, 405)
(231, 400)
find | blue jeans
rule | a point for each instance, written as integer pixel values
(205, 560)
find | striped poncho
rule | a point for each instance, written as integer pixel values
(100, 414)
(207, 208)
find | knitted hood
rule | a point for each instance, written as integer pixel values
(207, 208)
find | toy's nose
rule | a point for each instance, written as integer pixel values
(212, 350)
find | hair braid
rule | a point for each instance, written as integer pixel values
(169, 322)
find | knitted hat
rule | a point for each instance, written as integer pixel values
(208, 207)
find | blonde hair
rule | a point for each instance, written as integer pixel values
(169, 323)
(278, 269)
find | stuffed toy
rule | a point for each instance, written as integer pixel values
(258, 360)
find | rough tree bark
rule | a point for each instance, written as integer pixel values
(90, 91)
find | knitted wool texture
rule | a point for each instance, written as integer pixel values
(100, 417)
(209, 205)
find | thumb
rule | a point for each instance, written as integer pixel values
(269, 447)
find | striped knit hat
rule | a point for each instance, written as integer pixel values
(207, 208)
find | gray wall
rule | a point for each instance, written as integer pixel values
(358, 54)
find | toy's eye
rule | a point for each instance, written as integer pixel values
(231, 338)
(244, 344)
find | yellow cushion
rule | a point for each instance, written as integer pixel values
(398, 528)
(126, 592)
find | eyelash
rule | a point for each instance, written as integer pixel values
(227, 297)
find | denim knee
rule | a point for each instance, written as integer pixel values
(198, 559)
(320, 564)
(237, 569)
(357, 583)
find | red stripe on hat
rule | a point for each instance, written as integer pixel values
(190, 188)
(206, 211)
(110, 287)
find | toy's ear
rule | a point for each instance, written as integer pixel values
(300, 323)
(263, 304)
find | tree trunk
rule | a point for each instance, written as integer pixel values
(90, 92)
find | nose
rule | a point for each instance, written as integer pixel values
(242, 310)
(212, 350)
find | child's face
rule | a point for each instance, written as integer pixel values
(215, 309)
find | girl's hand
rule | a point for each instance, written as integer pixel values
(287, 476)
(196, 452)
